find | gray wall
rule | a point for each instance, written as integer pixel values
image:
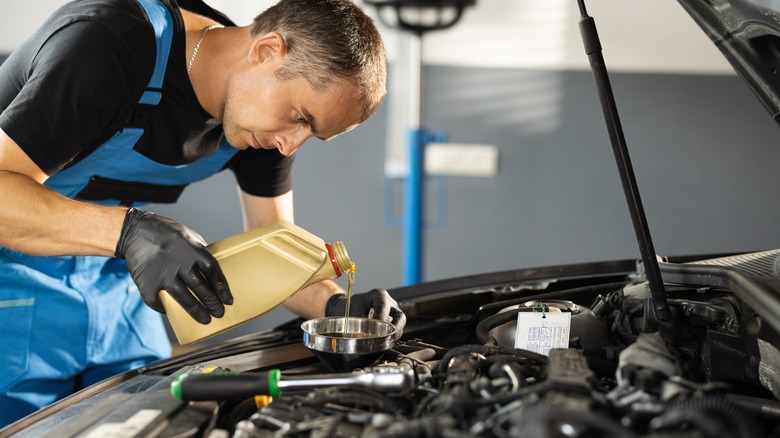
(704, 151)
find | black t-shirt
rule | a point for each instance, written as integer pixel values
(77, 79)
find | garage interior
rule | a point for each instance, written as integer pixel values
(513, 76)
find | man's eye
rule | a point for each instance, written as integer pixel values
(299, 118)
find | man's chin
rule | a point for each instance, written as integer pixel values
(237, 143)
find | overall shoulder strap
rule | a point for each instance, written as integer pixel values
(162, 22)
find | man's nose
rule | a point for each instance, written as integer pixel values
(289, 142)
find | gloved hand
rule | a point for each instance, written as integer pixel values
(164, 254)
(376, 303)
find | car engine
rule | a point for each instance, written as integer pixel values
(711, 371)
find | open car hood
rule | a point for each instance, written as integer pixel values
(747, 32)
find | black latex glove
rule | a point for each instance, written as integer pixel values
(163, 254)
(376, 304)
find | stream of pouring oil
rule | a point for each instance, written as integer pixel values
(350, 282)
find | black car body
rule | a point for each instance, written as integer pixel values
(698, 358)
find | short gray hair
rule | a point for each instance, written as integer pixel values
(328, 40)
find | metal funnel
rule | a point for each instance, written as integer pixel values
(365, 341)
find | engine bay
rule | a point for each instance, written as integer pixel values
(711, 371)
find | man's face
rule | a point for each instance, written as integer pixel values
(264, 112)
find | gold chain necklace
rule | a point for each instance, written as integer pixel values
(197, 46)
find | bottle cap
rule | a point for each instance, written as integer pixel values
(339, 257)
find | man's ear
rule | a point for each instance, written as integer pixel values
(265, 47)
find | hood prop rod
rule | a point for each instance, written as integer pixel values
(592, 45)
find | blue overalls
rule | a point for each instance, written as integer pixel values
(69, 322)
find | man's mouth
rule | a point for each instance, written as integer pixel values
(256, 144)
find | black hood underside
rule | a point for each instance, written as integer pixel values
(747, 32)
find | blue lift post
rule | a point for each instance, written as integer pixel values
(413, 209)
(448, 12)
(414, 205)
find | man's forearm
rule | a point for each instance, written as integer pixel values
(310, 301)
(38, 221)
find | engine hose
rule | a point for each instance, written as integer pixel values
(488, 350)
(760, 407)
(418, 356)
(621, 325)
(465, 349)
(525, 370)
(518, 353)
(702, 412)
(493, 321)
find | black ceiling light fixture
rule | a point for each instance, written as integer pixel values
(420, 16)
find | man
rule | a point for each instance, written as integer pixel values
(116, 103)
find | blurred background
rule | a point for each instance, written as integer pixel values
(510, 80)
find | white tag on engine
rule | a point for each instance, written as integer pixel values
(541, 331)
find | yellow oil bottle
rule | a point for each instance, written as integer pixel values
(264, 267)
